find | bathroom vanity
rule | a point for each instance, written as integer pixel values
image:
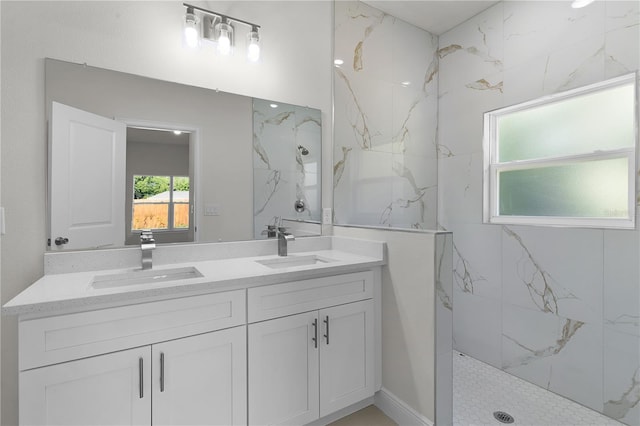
(235, 337)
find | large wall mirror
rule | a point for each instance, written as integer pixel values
(128, 152)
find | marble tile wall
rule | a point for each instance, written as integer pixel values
(287, 142)
(558, 307)
(385, 120)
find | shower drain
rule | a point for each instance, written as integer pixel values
(503, 417)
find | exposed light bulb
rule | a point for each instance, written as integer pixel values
(253, 46)
(191, 38)
(224, 43)
(224, 38)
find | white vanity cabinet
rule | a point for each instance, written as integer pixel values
(164, 380)
(111, 389)
(303, 366)
(282, 353)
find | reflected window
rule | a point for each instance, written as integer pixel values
(160, 202)
(566, 159)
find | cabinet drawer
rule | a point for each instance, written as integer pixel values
(45, 341)
(300, 296)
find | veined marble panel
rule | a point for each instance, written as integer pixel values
(472, 51)
(622, 377)
(477, 260)
(554, 270)
(364, 110)
(577, 65)
(621, 14)
(557, 71)
(477, 327)
(461, 119)
(560, 287)
(559, 354)
(460, 189)
(364, 39)
(619, 59)
(533, 28)
(365, 188)
(414, 122)
(282, 172)
(621, 282)
(385, 120)
(414, 192)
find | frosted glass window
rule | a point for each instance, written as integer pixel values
(578, 125)
(565, 159)
(588, 189)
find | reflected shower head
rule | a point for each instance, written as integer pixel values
(303, 150)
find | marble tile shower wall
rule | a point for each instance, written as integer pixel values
(385, 120)
(558, 307)
(286, 163)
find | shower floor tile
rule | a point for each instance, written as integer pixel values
(480, 389)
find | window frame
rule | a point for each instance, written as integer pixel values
(491, 166)
(170, 207)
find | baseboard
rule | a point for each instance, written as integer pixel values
(398, 411)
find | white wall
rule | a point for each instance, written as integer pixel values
(140, 38)
(408, 315)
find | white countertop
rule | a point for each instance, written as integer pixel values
(73, 290)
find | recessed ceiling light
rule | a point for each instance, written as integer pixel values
(338, 62)
(273, 105)
(577, 4)
(177, 132)
(405, 83)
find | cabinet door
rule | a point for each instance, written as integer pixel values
(112, 389)
(347, 370)
(201, 380)
(283, 370)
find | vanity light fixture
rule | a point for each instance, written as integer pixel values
(253, 45)
(190, 29)
(219, 29)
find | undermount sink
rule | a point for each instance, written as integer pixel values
(292, 261)
(150, 276)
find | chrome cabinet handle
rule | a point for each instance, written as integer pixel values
(315, 333)
(326, 321)
(141, 376)
(161, 371)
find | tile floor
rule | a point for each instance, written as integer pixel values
(368, 416)
(480, 389)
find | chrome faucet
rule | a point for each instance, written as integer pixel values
(283, 238)
(147, 244)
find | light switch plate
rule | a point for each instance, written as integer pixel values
(212, 209)
(326, 216)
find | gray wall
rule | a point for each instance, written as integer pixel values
(223, 120)
(142, 38)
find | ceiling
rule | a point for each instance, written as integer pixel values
(436, 17)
